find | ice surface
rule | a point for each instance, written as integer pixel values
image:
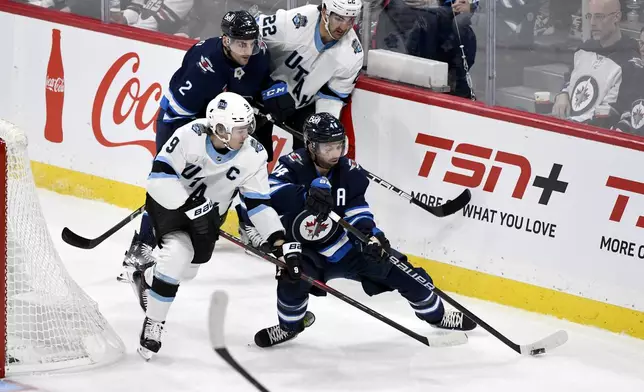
(346, 350)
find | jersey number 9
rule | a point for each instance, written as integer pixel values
(173, 144)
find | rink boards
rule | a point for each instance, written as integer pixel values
(554, 224)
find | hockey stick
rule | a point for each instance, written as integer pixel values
(76, 240)
(450, 339)
(450, 207)
(216, 315)
(539, 347)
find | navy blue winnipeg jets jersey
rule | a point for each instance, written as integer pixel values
(205, 72)
(290, 181)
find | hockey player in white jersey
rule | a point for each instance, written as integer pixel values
(189, 190)
(317, 57)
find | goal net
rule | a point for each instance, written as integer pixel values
(49, 323)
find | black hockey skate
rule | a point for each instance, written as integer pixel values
(274, 335)
(455, 321)
(150, 341)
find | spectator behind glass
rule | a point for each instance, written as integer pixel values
(166, 16)
(461, 33)
(90, 8)
(631, 100)
(421, 28)
(592, 89)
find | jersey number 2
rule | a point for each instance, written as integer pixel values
(185, 87)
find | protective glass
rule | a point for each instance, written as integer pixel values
(245, 47)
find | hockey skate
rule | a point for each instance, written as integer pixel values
(138, 257)
(150, 341)
(455, 321)
(250, 236)
(274, 335)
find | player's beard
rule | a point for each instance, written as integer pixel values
(335, 30)
(326, 165)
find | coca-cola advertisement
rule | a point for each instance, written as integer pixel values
(55, 91)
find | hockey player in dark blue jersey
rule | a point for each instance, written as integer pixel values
(238, 62)
(306, 186)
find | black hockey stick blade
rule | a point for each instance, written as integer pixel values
(216, 317)
(78, 241)
(448, 208)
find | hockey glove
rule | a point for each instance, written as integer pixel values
(278, 102)
(319, 200)
(378, 248)
(291, 252)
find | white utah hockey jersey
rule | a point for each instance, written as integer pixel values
(313, 71)
(188, 165)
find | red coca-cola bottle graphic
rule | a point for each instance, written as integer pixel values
(55, 91)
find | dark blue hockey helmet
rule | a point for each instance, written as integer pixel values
(320, 128)
(239, 25)
(323, 128)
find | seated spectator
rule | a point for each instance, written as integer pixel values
(432, 30)
(166, 16)
(90, 8)
(631, 100)
(595, 82)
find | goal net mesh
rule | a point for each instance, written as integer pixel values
(51, 323)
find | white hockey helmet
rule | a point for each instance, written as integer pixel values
(348, 8)
(227, 113)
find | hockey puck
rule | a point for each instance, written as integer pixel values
(538, 351)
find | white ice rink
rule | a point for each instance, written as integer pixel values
(346, 350)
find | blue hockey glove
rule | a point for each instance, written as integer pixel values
(319, 200)
(378, 248)
(278, 102)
